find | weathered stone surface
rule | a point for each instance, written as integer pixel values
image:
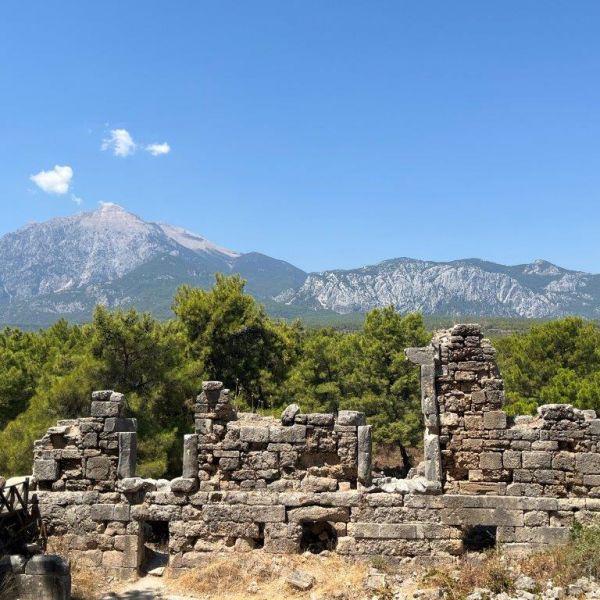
(254, 434)
(350, 417)
(289, 414)
(127, 454)
(45, 470)
(300, 580)
(364, 454)
(319, 513)
(190, 456)
(97, 467)
(184, 485)
(106, 409)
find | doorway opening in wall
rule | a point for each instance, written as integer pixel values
(156, 546)
(396, 460)
(318, 536)
(479, 538)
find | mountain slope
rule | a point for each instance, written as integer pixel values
(64, 267)
(472, 287)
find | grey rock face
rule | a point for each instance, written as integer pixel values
(459, 287)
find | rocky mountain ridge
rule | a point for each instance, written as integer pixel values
(468, 287)
(65, 266)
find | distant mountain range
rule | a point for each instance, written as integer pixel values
(64, 267)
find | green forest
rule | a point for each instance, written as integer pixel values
(224, 334)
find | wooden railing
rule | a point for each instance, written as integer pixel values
(19, 520)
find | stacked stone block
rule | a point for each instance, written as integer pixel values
(555, 453)
(88, 453)
(246, 452)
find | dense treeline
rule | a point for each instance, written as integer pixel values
(221, 334)
(224, 334)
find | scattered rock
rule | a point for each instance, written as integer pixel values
(523, 582)
(375, 580)
(300, 580)
(289, 414)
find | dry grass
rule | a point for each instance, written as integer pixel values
(262, 577)
(565, 564)
(490, 570)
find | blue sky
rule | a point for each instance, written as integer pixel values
(327, 133)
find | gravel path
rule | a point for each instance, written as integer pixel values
(147, 588)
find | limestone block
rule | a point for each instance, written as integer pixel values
(511, 459)
(184, 485)
(556, 412)
(319, 419)
(190, 456)
(404, 531)
(102, 395)
(155, 512)
(312, 483)
(350, 417)
(482, 516)
(420, 356)
(113, 424)
(127, 454)
(90, 440)
(229, 464)
(588, 463)
(594, 426)
(319, 513)
(281, 546)
(132, 548)
(433, 459)
(543, 535)
(364, 454)
(564, 461)
(97, 468)
(112, 558)
(46, 470)
(106, 409)
(490, 460)
(537, 459)
(473, 422)
(203, 426)
(289, 414)
(449, 419)
(212, 386)
(254, 434)
(294, 434)
(494, 419)
(300, 580)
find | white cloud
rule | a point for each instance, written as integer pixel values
(120, 141)
(158, 149)
(56, 181)
(76, 199)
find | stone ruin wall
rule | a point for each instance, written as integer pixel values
(252, 483)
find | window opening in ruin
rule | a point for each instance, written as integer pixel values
(479, 538)
(156, 545)
(259, 542)
(318, 536)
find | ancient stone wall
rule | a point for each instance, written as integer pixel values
(304, 482)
